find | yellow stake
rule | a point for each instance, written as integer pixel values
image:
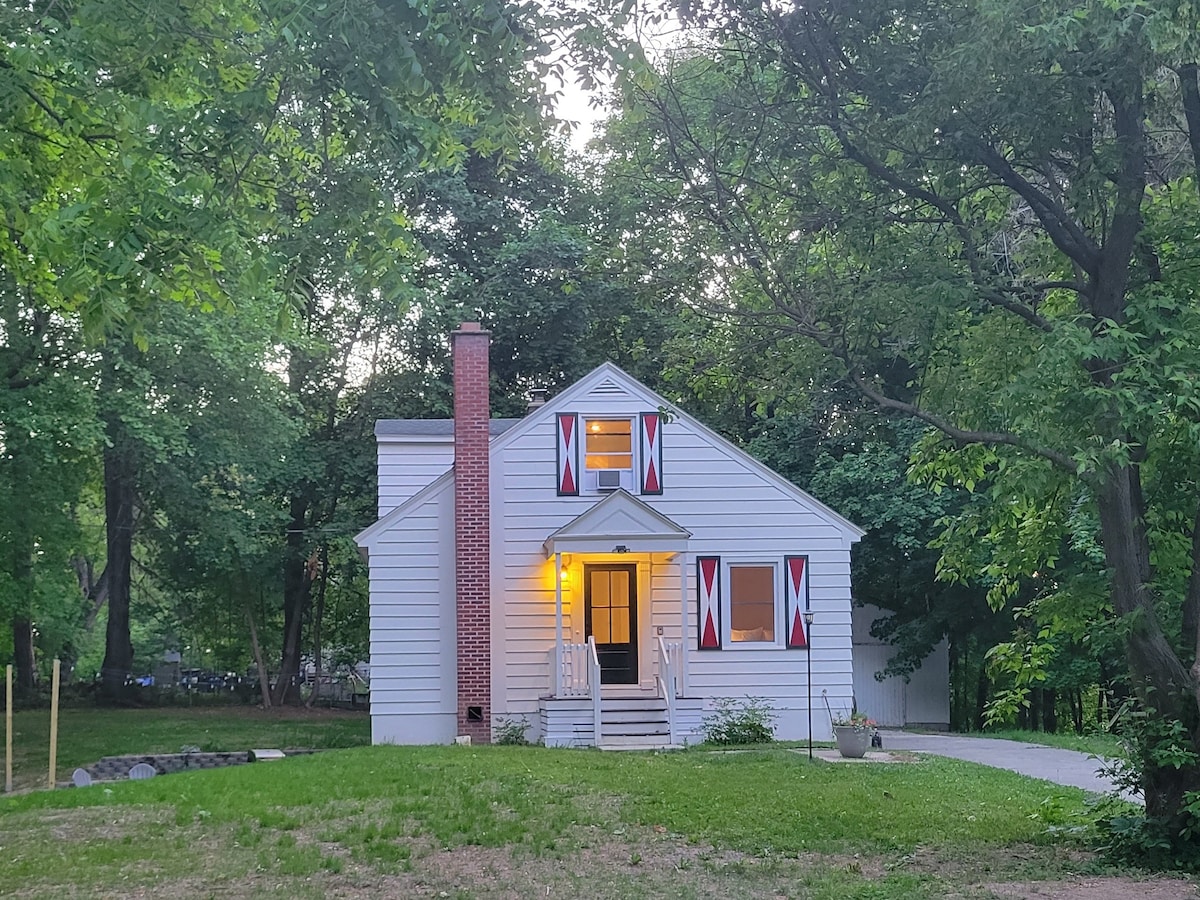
(54, 722)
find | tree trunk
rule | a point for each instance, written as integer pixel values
(297, 582)
(318, 620)
(120, 473)
(23, 545)
(1159, 679)
(955, 687)
(256, 649)
(982, 690)
(1049, 713)
(24, 660)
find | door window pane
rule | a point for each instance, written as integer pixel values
(600, 589)
(751, 603)
(620, 625)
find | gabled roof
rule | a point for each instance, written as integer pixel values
(368, 535)
(433, 427)
(608, 376)
(618, 521)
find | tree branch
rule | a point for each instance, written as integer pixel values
(962, 436)
(1060, 227)
(1189, 88)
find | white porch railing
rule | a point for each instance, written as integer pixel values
(668, 679)
(673, 651)
(594, 681)
(574, 671)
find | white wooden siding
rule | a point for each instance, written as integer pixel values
(407, 466)
(413, 655)
(730, 509)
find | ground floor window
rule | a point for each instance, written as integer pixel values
(752, 603)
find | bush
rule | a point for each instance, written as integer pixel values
(510, 731)
(1152, 742)
(747, 721)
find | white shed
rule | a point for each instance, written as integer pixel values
(920, 701)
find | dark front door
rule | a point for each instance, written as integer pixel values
(610, 615)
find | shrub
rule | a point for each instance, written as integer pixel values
(747, 721)
(1132, 835)
(510, 731)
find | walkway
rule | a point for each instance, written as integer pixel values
(1069, 767)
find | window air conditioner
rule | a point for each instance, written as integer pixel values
(608, 479)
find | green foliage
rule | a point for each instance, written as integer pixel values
(1154, 749)
(264, 160)
(133, 182)
(855, 719)
(749, 720)
(945, 219)
(511, 731)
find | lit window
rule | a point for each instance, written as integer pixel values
(608, 444)
(751, 604)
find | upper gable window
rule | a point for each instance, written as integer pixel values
(608, 444)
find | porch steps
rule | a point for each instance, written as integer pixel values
(634, 723)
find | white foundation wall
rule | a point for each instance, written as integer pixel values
(732, 509)
(413, 655)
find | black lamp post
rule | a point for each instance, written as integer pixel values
(808, 620)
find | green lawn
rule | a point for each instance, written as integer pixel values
(515, 822)
(85, 735)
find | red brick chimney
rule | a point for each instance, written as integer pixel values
(472, 531)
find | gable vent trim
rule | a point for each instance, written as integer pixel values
(609, 388)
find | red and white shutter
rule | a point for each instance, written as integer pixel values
(651, 455)
(708, 590)
(795, 574)
(567, 425)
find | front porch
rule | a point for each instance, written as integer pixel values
(626, 723)
(618, 670)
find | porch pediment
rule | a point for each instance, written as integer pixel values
(618, 521)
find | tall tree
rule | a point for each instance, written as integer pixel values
(992, 198)
(48, 442)
(182, 151)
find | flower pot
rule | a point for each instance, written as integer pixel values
(852, 742)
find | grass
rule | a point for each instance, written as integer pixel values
(1095, 743)
(487, 822)
(85, 735)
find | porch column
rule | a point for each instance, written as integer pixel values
(684, 643)
(558, 625)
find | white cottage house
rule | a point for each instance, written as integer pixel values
(604, 569)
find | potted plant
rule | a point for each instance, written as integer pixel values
(853, 734)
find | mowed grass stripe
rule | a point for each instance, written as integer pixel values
(759, 801)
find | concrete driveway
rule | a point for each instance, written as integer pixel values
(1069, 767)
